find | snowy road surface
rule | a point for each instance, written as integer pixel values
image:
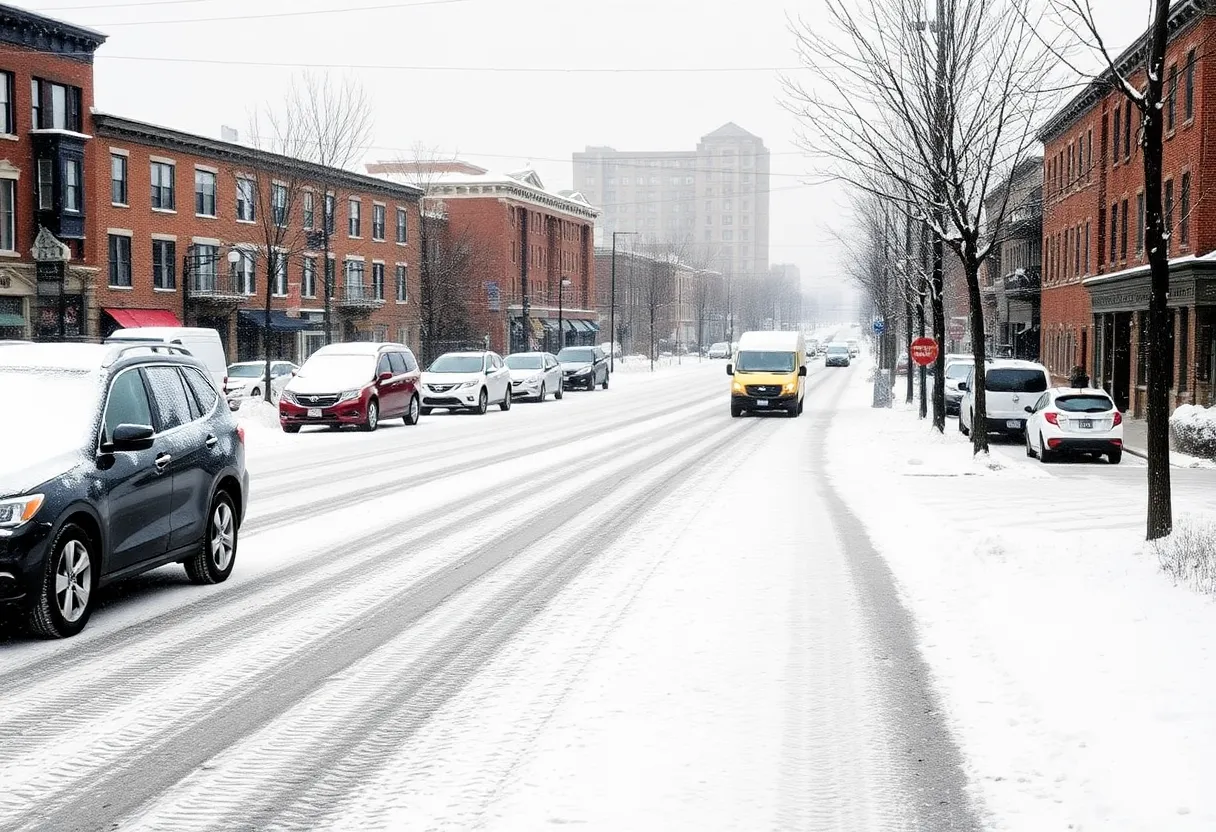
(622, 611)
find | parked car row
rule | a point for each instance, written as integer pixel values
(1052, 421)
(360, 384)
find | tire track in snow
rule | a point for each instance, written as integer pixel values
(261, 696)
(307, 572)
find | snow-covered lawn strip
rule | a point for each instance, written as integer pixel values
(1076, 676)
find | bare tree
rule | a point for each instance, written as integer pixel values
(1144, 86)
(941, 109)
(330, 124)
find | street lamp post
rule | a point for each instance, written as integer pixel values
(612, 304)
(561, 324)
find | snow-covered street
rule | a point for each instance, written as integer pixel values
(621, 610)
(627, 610)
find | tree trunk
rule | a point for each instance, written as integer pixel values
(908, 345)
(920, 326)
(975, 303)
(272, 258)
(1160, 521)
(938, 307)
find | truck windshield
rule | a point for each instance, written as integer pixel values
(763, 361)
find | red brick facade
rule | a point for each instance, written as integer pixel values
(1093, 221)
(517, 230)
(65, 86)
(379, 316)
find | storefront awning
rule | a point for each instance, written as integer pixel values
(550, 324)
(592, 326)
(137, 318)
(279, 321)
(580, 326)
(11, 319)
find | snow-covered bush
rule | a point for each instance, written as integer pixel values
(1193, 429)
(1189, 554)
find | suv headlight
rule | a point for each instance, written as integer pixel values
(534, 379)
(289, 396)
(17, 511)
(467, 384)
(583, 371)
(348, 395)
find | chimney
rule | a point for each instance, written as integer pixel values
(229, 134)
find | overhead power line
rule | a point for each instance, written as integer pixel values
(270, 15)
(572, 70)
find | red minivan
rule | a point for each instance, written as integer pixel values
(357, 383)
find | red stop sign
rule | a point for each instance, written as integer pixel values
(923, 351)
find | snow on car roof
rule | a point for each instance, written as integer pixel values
(56, 356)
(768, 340)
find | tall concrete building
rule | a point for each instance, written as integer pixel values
(711, 203)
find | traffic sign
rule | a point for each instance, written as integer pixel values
(923, 351)
(957, 330)
(880, 326)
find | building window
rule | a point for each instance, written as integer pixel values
(378, 221)
(1114, 145)
(118, 179)
(1089, 154)
(1189, 101)
(354, 224)
(1171, 98)
(278, 203)
(54, 106)
(1169, 215)
(8, 215)
(246, 210)
(7, 117)
(72, 199)
(403, 226)
(1139, 224)
(46, 185)
(378, 281)
(1127, 132)
(1087, 268)
(246, 273)
(1076, 252)
(309, 210)
(164, 264)
(1184, 345)
(308, 278)
(163, 186)
(331, 210)
(354, 280)
(277, 267)
(1184, 209)
(204, 193)
(120, 260)
(1123, 232)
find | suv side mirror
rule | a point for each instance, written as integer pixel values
(962, 387)
(1028, 409)
(802, 371)
(385, 376)
(730, 369)
(130, 438)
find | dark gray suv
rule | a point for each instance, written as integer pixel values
(117, 459)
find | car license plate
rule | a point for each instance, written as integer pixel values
(314, 413)
(762, 403)
(1087, 424)
(1013, 423)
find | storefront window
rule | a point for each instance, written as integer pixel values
(1184, 321)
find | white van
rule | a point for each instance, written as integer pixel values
(204, 344)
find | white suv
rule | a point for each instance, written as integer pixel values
(1010, 386)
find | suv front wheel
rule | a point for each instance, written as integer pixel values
(65, 600)
(373, 416)
(213, 562)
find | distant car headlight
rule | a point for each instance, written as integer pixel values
(288, 396)
(467, 384)
(534, 379)
(17, 511)
(790, 387)
(583, 371)
(736, 387)
(348, 395)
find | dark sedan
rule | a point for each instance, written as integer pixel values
(583, 367)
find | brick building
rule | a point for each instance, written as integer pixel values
(530, 249)
(184, 222)
(1012, 279)
(46, 159)
(1095, 274)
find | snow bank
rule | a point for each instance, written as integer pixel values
(1193, 429)
(259, 413)
(1076, 676)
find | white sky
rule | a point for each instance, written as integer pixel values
(499, 119)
